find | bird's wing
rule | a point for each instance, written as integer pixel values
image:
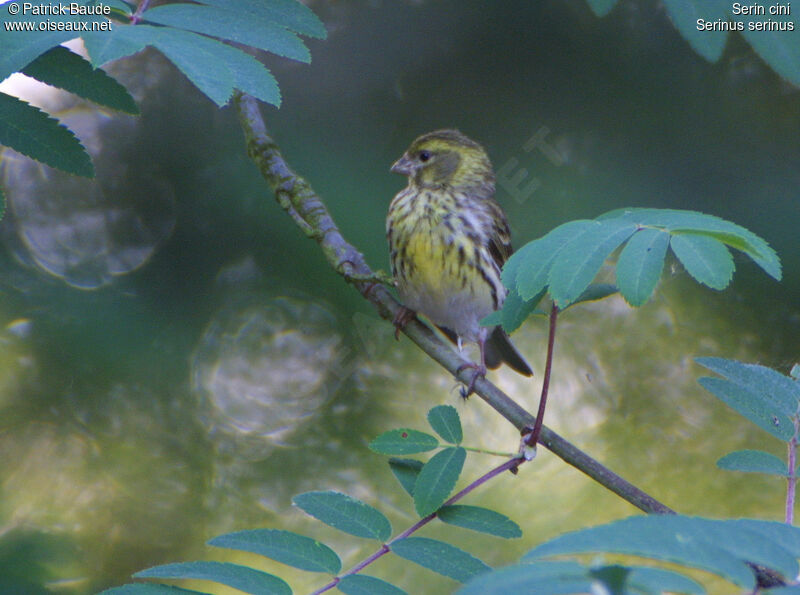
(500, 238)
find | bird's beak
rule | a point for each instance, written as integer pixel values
(402, 166)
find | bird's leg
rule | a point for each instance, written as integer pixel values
(480, 369)
(401, 319)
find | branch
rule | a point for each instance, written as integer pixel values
(298, 199)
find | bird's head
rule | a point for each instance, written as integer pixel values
(447, 158)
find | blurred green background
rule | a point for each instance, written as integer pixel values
(178, 360)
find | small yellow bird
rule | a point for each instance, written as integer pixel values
(448, 239)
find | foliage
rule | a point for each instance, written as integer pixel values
(430, 484)
(192, 36)
(698, 21)
(565, 261)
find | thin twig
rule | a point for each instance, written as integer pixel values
(385, 548)
(291, 189)
(309, 212)
(533, 438)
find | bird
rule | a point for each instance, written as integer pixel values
(448, 239)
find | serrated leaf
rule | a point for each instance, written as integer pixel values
(706, 259)
(479, 519)
(753, 461)
(515, 311)
(20, 48)
(555, 577)
(601, 7)
(775, 389)
(67, 70)
(346, 514)
(640, 264)
(779, 49)
(685, 15)
(239, 577)
(146, 589)
(440, 557)
(579, 261)
(659, 580)
(445, 421)
(594, 293)
(751, 406)
(725, 548)
(252, 29)
(406, 472)
(404, 441)
(528, 268)
(31, 132)
(291, 14)
(284, 546)
(437, 479)
(362, 584)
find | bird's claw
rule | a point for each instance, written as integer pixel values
(401, 319)
(480, 372)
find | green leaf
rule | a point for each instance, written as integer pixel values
(594, 293)
(528, 268)
(553, 577)
(146, 589)
(725, 548)
(346, 514)
(782, 591)
(437, 479)
(579, 261)
(19, 48)
(31, 132)
(284, 546)
(685, 14)
(659, 580)
(775, 389)
(291, 14)
(445, 422)
(404, 441)
(779, 49)
(406, 472)
(540, 577)
(247, 28)
(479, 519)
(66, 70)
(514, 311)
(754, 461)
(748, 404)
(239, 577)
(676, 222)
(440, 557)
(706, 259)
(640, 264)
(362, 584)
(212, 66)
(601, 7)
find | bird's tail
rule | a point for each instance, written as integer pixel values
(499, 349)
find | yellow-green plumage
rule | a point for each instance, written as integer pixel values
(448, 240)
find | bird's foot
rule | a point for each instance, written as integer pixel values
(480, 372)
(401, 319)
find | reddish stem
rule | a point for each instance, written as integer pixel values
(508, 465)
(533, 437)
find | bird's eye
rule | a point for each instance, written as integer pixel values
(424, 156)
